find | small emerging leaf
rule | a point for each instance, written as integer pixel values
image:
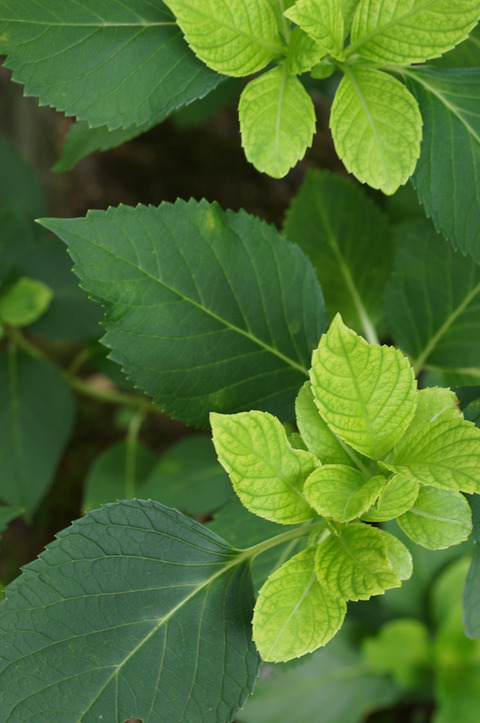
(230, 37)
(266, 472)
(396, 31)
(303, 52)
(24, 302)
(365, 393)
(376, 128)
(438, 519)
(277, 121)
(398, 496)
(399, 555)
(354, 564)
(294, 614)
(341, 492)
(323, 21)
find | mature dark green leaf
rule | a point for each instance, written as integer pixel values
(348, 240)
(242, 529)
(18, 185)
(334, 680)
(207, 310)
(26, 250)
(7, 514)
(448, 171)
(109, 62)
(36, 417)
(433, 302)
(118, 474)
(135, 611)
(189, 477)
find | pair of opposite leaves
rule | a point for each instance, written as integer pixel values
(372, 448)
(375, 121)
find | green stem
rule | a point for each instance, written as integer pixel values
(295, 534)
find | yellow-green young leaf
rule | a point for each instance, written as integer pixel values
(397, 497)
(348, 9)
(294, 614)
(444, 453)
(277, 121)
(399, 555)
(365, 393)
(303, 52)
(354, 564)
(323, 21)
(316, 434)
(24, 302)
(231, 37)
(438, 519)
(341, 492)
(266, 472)
(434, 403)
(376, 127)
(411, 31)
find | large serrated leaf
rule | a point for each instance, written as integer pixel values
(266, 472)
(231, 37)
(193, 294)
(438, 519)
(294, 614)
(444, 453)
(448, 171)
(376, 128)
(365, 393)
(410, 31)
(36, 418)
(129, 598)
(348, 240)
(353, 563)
(277, 121)
(105, 61)
(322, 20)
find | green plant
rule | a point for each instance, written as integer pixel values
(138, 610)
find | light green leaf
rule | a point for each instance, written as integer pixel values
(318, 682)
(316, 434)
(341, 492)
(189, 477)
(376, 128)
(266, 472)
(24, 302)
(446, 177)
(365, 393)
(403, 650)
(399, 555)
(277, 121)
(36, 418)
(193, 294)
(129, 598)
(323, 21)
(348, 240)
(353, 563)
(231, 37)
(303, 52)
(106, 61)
(398, 496)
(294, 614)
(444, 453)
(117, 474)
(465, 55)
(437, 325)
(438, 519)
(349, 8)
(434, 403)
(410, 31)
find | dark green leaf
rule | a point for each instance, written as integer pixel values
(109, 62)
(136, 611)
(189, 477)
(207, 310)
(448, 171)
(348, 240)
(332, 685)
(7, 514)
(26, 250)
(36, 417)
(465, 55)
(18, 185)
(433, 302)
